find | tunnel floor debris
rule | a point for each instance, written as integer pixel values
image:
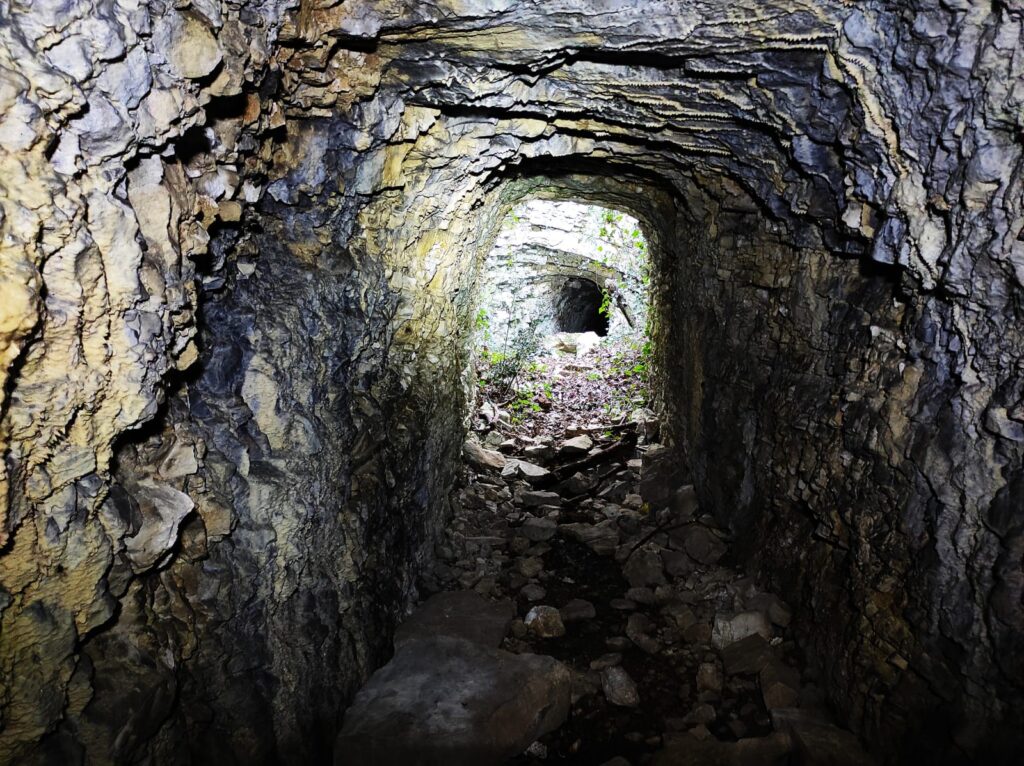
(577, 539)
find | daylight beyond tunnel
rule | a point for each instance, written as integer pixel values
(264, 266)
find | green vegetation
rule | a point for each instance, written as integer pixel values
(504, 368)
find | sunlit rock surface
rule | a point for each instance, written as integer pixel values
(559, 266)
(240, 245)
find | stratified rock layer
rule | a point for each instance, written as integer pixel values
(832, 197)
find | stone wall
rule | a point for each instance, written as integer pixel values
(816, 402)
(241, 245)
(544, 244)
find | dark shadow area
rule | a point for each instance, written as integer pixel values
(578, 308)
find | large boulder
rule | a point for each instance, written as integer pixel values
(450, 702)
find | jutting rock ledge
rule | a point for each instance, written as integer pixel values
(240, 245)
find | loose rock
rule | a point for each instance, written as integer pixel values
(445, 700)
(545, 622)
(619, 688)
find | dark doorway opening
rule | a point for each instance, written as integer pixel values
(578, 307)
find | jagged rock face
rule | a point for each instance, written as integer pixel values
(832, 197)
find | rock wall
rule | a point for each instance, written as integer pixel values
(121, 130)
(241, 250)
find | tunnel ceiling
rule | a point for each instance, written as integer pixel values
(240, 248)
(786, 104)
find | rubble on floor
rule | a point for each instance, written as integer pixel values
(675, 655)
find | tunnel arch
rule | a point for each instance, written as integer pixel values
(342, 213)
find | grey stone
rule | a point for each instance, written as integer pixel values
(703, 713)
(746, 656)
(578, 484)
(816, 740)
(446, 701)
(638, 626)
(780, 685)
(545, 622)
(683, 616)
(578, 610)
(532, 592)
(538, 530)
(482, 459)
(540, 453)
(535, 498)
(530, 566)
(162, 509)
(660, 475)
(729, 628)
(602, 538)
(709, 677)
(677, 563)
(522, 469)
(606, 661)
(576, 447)
(773, 606)
(644, 568)
(642, 596)
(703, 545)
(619, 688)
(189, 44)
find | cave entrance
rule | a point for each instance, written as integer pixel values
(579, 307)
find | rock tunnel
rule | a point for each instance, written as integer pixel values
(241, 251)
(578, 307)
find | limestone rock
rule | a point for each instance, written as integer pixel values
(446, 701)
(602, 538)
(746, 656)
(191, 49)
(522, 469)
(162, 509)
(539, 530)
(780, 685)
(660, 475)
(575, 447)
(545, 622)
(643, 568)
(619, 688)
(481, 458)
(535, 498)
(729, 628)
(840, 319)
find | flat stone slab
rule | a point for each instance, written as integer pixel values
(461, 614)
(481, 458)
(523, 469)
(602, 538)
(747, 656)
(450, 702)
(730, 628)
